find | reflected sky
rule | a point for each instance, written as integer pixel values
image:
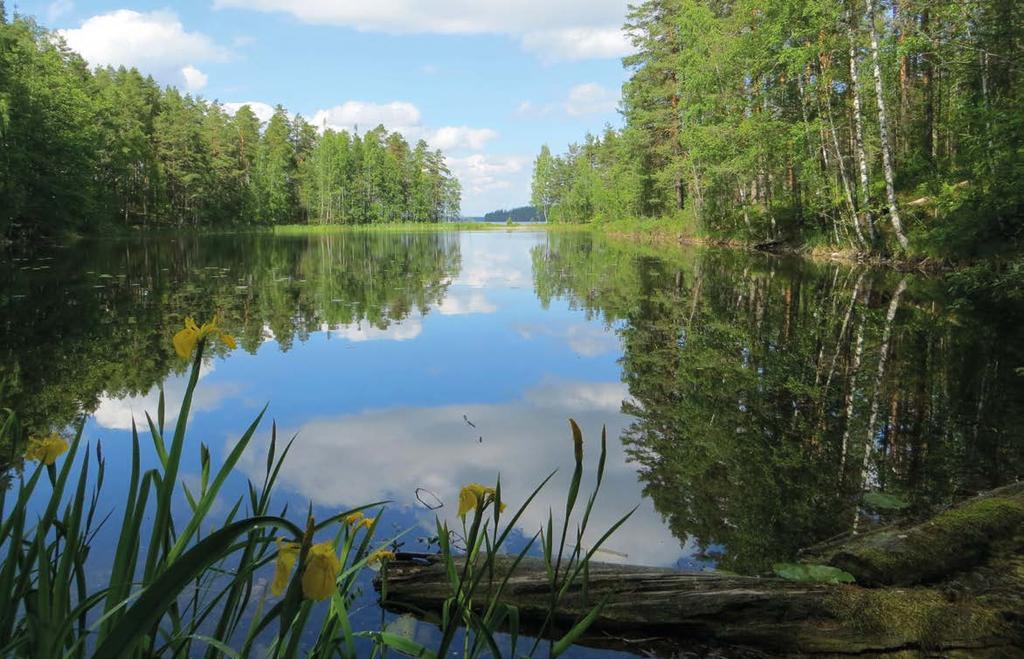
(480, 384)
(430, 360)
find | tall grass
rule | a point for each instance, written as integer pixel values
(172, 591)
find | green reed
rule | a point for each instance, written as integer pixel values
(175, 591)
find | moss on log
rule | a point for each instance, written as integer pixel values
(656, 609)
(956, 539)
(971, 557)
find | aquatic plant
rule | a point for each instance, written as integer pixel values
(172, 590)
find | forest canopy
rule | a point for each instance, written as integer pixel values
(84, 151)
(861, 124)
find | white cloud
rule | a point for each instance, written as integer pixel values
(584, 339)
(398, 116)
(461, 137)
(567, 29)
(194, 78)
(578, 43)
(55, 10)
(263, 111)
(590, 98)
(433, 448)
(461, 303)
(117, 412)
(405, 118)
(405, 330)
(481, 172)
(155, 42)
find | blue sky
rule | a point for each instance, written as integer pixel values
(486, 81)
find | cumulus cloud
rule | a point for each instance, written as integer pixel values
(568, 29)
(461, 303)
(584, 339)
(263, 111)
(398, 116)
(578, 43)
(482, 267)
(481, 172)
(433, 448)
(194, 78)
(405, 118)
(590, 98)
(155, 42)
(461, 137)
(117, 412)
(408, 329)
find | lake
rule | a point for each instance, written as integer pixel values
(750, 401)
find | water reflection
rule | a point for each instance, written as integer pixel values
(768, 395)
(91, 331)
(747, 401)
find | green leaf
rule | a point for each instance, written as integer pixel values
(812, 573)
(157, 598)
(403, 645)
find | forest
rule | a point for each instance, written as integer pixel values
(873, 127)
(87, 152)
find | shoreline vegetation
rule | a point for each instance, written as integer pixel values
(882, 131)
(95, 152)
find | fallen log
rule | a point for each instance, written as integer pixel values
(954, 540)
(657, 608)
(980, 609)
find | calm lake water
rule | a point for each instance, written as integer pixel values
(746, 398)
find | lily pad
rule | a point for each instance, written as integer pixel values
(812, 573)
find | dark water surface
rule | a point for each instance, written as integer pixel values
(747, 400)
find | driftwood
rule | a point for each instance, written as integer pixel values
(974, 600)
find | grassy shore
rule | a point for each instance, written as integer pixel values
(402, 227)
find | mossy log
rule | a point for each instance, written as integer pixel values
(656, 609)
(954, 540)
(976, 546)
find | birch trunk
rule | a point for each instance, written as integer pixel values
(858, 126)
(858, 351)
(883, 129)
(883, 360)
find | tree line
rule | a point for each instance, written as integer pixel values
(863, 123)
(84, 151)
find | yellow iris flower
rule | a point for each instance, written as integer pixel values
(476, 497)
(319, 580)
(186, 339)
(357, 521)
(380, 556)
(287, 554)
(46, 449)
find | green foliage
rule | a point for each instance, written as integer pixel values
(519, 214)
(760, 118)
(808, 573)
(89, 151)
